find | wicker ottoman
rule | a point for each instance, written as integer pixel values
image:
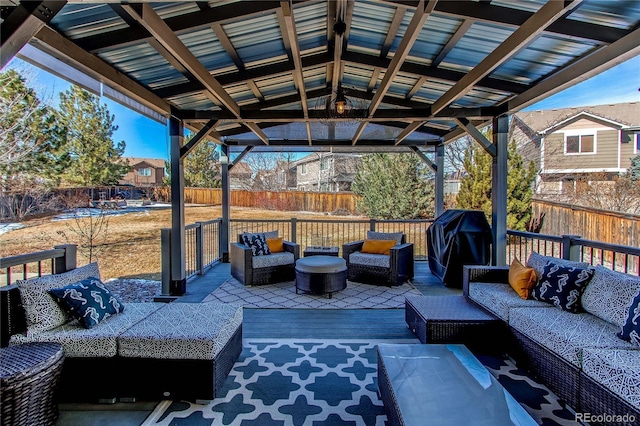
(455, 319)
(29, 376)
(321, 274)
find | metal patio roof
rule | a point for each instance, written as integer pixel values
(250, 71)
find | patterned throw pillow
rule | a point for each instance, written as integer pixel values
(257, 243)
(41, 310)
(562, 286)
(631, 329)
(88, 301)
(610, 294)
(538, 262)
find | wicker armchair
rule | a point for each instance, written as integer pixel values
(390, 270)
(259, 270)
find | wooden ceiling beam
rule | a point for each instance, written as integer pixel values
(453, 41)
(392, 31)
(408, 130)
(228, 46)
(420, 15)
(519, 39)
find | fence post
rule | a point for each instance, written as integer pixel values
(571, 251)
(165, 260)
(67, 262)
(200, 248)
(372, 224)
(294, 230)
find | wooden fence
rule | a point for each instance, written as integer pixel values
(342, 202)
(591, 224)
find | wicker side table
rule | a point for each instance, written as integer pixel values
(454, 319)
(29, 376)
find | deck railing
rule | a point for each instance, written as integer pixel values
(613, 256)
(60, 259)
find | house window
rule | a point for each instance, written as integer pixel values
(580, 144)
(303, 169)
(637, 143)
(324, 163)
(144, 172)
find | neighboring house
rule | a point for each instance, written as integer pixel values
(281, 178)
(568, 145)
(145, 172)
(240, 176)
(326, 171)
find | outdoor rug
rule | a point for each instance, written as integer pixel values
(317, 383)
(283, 295)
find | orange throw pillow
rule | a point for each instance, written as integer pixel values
(275, 245)
(377, 246)
(521, 278)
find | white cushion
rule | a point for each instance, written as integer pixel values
(358, 258)
(40, 308)
(564, 333)
(609, 295)
(274, 259)
(182, 331)
(616, 369)
(500, 298)
(99, 341)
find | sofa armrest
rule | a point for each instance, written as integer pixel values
(401, 260)
(241, 259)
(351, 247)
(292, 248)
(485, 274)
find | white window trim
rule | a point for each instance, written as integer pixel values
(636, 144)
(145, 174)
(303, 169)
(581, 132)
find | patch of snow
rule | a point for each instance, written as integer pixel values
(6, 227)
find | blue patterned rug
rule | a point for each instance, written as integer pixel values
(299, 382)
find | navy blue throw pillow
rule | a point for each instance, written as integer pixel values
(88, 301)
(631, 329)
(257, 243)
(562, 286)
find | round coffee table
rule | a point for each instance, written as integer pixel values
(321, 274)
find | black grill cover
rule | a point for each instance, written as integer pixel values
(456, 238)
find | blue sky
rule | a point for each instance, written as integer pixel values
(147, 138)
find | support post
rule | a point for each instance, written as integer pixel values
(439, 189)
(68, 261)
(165, 260)
(178, 269)
(499, 191)
(200, 248)
(571, 251)
(372, 225)
(294, 230)
(226, 192)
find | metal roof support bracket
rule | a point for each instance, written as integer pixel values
(477, 135)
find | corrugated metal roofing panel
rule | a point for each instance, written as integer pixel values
(194, 101)
(204, 44)
(241, 93)
(144, 64)
(277, 86)
(369, 26)
(169, 10)
(256, 39)
(83, 20)
(311, 26)
(315, 78)
(528, 5)
(619, 14)
(435, 34)
(541, 57)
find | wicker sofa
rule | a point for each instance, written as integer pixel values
(391, 269)
(150, 351)
(264, 269)
(578, 355)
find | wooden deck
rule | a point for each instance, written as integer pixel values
(378, 324)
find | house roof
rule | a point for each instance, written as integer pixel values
(158, 163)
(624, 115)
(252, 73)
(240, 168)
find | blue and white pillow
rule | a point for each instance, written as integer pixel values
(562, 286)
(257, 243)
(631, 329)
(88, 301)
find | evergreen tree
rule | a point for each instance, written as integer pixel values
(475, 189)
(201, 166)
(394, 186)
(29, 135)
(94, 158)
(633, 172)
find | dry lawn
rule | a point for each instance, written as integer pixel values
(132, 247)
